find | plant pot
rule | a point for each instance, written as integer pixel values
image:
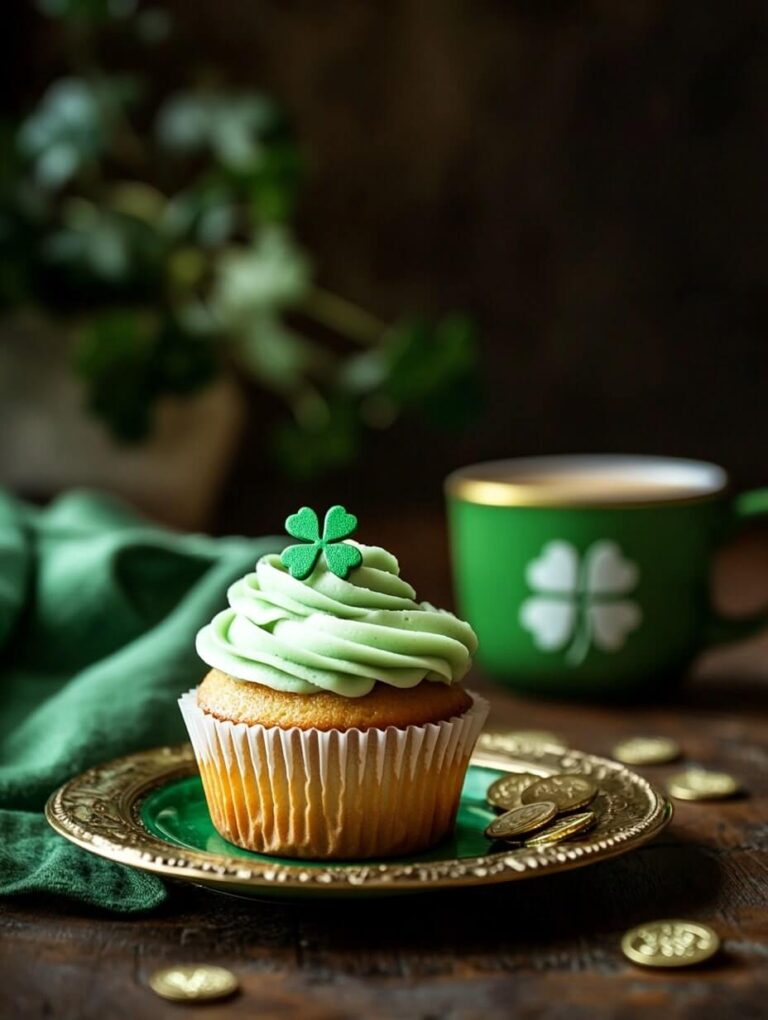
(49, 442)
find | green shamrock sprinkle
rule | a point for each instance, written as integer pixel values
(341, 557)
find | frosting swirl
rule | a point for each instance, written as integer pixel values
(329, 634)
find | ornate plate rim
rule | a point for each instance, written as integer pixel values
(99, 810)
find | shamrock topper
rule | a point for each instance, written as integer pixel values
(340, 556)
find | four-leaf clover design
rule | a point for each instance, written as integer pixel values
(340, 556)
(580, 599)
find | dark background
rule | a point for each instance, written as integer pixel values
(589, 179)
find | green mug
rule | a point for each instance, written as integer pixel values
(589, 575)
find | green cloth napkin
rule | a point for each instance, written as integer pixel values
(98, 614)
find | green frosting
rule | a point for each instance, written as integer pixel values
(325, 633)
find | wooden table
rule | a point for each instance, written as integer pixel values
(542, 948)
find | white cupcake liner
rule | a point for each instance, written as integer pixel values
(336, 793)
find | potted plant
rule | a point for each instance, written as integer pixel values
(150, 261)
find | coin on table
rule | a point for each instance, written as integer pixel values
(567, 791)
(193, 982)
(647, 751)
(521, 820)
(670, 943)
(562, 829)
(505, 792)
(701, 784)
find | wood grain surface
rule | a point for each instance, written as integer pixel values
(542, 948)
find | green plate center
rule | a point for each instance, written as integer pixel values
(178, 813)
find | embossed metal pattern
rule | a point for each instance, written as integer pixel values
(100, 811)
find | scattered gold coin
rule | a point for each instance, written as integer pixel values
(646, 751)
(193, 982)
(505, 792)
(536, 737)
(521, 820)
(701, 784)
(670, 943)
(562, 829)
(568, 792)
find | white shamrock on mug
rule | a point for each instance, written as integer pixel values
(580, 599)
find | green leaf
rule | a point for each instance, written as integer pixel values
(300, 559)
(57, 164)
(342, 558)
(365, 372)
(273, 274)
(231, 127)
(256, 160)
(275, 355)
(72, 126)
(102, 253)
(205, 214)
(304, 525)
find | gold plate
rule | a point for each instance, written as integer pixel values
(101, 811)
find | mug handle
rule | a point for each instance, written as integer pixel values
(747, 506)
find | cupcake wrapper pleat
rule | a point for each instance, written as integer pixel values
(333, 794)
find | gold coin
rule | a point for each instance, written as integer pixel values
(568, 792)
(521, 820)
(505, 792)
(701, 784)
(562, 829)
(193, 982)
(670, 943)
(646, 751)
(535, 737)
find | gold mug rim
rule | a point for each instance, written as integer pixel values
(467, 484)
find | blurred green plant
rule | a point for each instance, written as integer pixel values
(159, 228)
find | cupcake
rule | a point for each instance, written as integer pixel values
(332, 723)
